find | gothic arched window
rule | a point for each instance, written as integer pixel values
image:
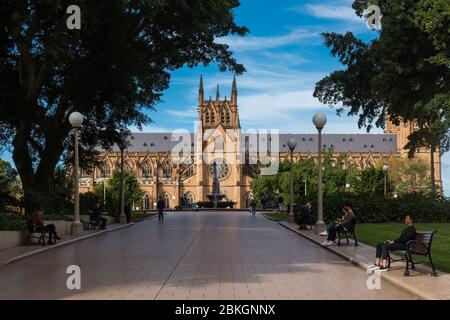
(213, 119)
(166, 199)
(146, 202)
(105, 170)
(218, 143)
(167, 170)
(146, 170)
(228, 119)
(207, 118)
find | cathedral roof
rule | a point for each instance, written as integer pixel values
(384, 143)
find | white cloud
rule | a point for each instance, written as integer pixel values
(257, 43)
(183, 112)
(335, 12)
(151, 128)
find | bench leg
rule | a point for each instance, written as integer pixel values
(356, 240)
(42, 239)
(339, 239)
(434, 273)
(407, 256)
(413, 266)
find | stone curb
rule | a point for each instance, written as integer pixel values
(47, 248)
(402, 285)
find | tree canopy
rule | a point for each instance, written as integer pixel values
(113, 71)
(404, 72)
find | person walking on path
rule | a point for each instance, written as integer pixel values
(253, 206)
(280, 203)
(161, 205)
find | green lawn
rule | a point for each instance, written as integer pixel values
(278, 216)
(140, 215)
(372, 234)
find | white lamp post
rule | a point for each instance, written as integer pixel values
(122, 216)
(292, 143)
(347, 186)
(306, 186)
(319, 121)
(385, 170)
(76, 120)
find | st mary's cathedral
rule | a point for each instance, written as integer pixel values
(150, 156)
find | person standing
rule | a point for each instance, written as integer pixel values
(264, 202)
(161, 205)
(280, 203)
(306, 216)
(253, 205)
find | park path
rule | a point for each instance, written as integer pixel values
(203, 255)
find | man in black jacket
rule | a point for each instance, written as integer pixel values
(96, 215)
(161, 205)
(306, 216)
(408, 234)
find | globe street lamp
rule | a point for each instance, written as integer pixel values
(347, 186)
(122, 217)
(385, 170)
(292, 143)
(76, 120)
(319, 121)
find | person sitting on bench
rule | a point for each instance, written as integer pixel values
(96, 216)
(341, 224)
(38, 219)
(408, 233)
(306, 216)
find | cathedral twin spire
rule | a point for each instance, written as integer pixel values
(223, 112)
(201, 93)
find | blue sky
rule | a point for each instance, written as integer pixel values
(284, 57)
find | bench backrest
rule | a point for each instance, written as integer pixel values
(423, 242)
(352, 224)
(30, 225)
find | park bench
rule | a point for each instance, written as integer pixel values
(305, 220)
(34, 229)
(93, 223)
(349, 231)
(420, 246)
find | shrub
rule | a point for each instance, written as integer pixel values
(378, 209)
(13, 222)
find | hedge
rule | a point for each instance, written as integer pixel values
(379, 209)
(13, 222)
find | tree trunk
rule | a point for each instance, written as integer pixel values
(36, 178)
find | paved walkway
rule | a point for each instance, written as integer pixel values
(420, 282)
(204, 255)
(13, 254)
